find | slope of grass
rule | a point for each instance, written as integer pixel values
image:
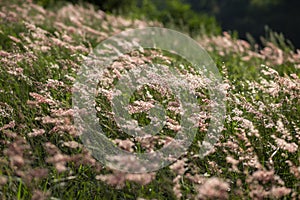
(42, 157)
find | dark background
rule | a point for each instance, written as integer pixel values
(252, 16)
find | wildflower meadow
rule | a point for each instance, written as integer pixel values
(43, 154)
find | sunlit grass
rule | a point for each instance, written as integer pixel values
(41, 156)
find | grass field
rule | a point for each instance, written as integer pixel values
(42, 157)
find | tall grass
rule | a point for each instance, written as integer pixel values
(42, 157)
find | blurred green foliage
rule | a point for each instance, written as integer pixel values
(204, 16)
(172, 13)
(180, 14)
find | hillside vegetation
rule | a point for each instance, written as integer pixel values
(42, 156)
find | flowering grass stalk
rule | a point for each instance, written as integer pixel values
(42, 157)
